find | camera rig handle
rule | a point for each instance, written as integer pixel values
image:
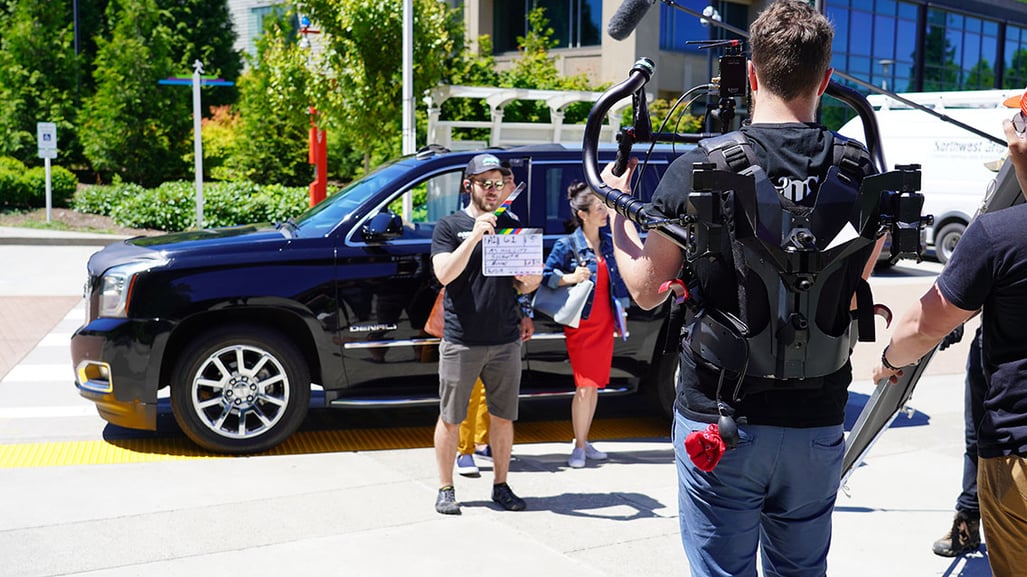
(632, 208)
(625, 204)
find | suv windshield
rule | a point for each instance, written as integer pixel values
(323, 218)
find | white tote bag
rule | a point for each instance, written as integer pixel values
(565, 303)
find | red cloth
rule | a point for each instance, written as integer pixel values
(590, 346)
(705, 448)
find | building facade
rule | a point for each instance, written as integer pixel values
(902, 45)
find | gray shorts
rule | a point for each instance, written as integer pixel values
(499, 367)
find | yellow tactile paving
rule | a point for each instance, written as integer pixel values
(305, 442)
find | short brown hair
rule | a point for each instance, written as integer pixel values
(791, 47)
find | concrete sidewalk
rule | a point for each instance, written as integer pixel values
(371, 513)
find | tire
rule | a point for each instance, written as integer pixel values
(946, 239)
(227, 410)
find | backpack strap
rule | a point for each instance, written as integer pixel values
(848, 156)
(731, 151)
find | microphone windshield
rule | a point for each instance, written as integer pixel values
(626, 18)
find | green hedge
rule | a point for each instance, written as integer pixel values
(172, 205)
(26, 187)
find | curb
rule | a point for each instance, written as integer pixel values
(12, 235)
(53, 241)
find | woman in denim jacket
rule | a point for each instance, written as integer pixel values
(587, 253)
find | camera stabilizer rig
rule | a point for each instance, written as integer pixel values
(791, 250)
(894, 203)
(732, 82)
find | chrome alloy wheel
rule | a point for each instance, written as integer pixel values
(240, 391)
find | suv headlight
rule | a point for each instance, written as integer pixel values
(116, 287)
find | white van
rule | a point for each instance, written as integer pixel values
(955, 162)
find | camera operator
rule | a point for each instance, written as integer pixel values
(987, 273)
(776, 489)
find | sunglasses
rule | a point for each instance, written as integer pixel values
(489, 184)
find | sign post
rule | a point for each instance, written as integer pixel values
(46, 137)
(196, 80)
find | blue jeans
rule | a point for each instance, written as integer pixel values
(775, 490)
(973, 413)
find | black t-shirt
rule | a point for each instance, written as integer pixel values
(989, 271)
(480, 310)
(796, 158)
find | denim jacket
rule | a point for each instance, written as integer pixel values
(571, 250)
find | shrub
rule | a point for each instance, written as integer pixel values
(14, 186)
(26, 187)
(172, 205)
(62, 186)
(102, 200)
(169, 207)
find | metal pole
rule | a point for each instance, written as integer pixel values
(409, 128)
(49, 189)
(198, 142)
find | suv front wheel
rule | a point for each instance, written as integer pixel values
(240, 389)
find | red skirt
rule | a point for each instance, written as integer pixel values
(590, 346)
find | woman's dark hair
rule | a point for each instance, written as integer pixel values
(580, 197)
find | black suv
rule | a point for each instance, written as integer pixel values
(237, 324)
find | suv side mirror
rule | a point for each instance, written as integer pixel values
(383, 226)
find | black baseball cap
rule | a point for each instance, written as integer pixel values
(484, 163)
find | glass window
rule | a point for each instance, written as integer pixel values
(907, 11)
(840, 18)
(884, 37)
(905, 41)
(575, 23)
(860, 23)
(591, 23)
(678, 28)
(560, 20)
(509, 20)
(1016, 58)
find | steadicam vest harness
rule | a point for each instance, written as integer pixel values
(792, 251)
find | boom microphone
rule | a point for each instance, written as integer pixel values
(626, 18)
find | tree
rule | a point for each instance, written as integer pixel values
(271, 146)
(359, 92)
(38, 68)
(132, 126)
(536, 68)
(202, 30)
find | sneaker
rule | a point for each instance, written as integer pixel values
(466, 467)
(485, 453)
(594, 453)
(963, 537)
(504, 495)
(577, 459)
(446, 503)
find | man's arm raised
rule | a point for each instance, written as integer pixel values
(644, 266)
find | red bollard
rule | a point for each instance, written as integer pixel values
(317, 155)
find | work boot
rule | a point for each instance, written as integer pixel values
(963, 537)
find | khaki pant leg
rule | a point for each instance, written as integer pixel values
(1002, 491)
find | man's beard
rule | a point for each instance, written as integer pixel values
(482, 204)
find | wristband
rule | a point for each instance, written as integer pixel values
(884, 361)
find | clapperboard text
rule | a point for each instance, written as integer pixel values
(512, 251)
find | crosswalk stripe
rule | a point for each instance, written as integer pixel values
(46, 412)
(26, 373)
